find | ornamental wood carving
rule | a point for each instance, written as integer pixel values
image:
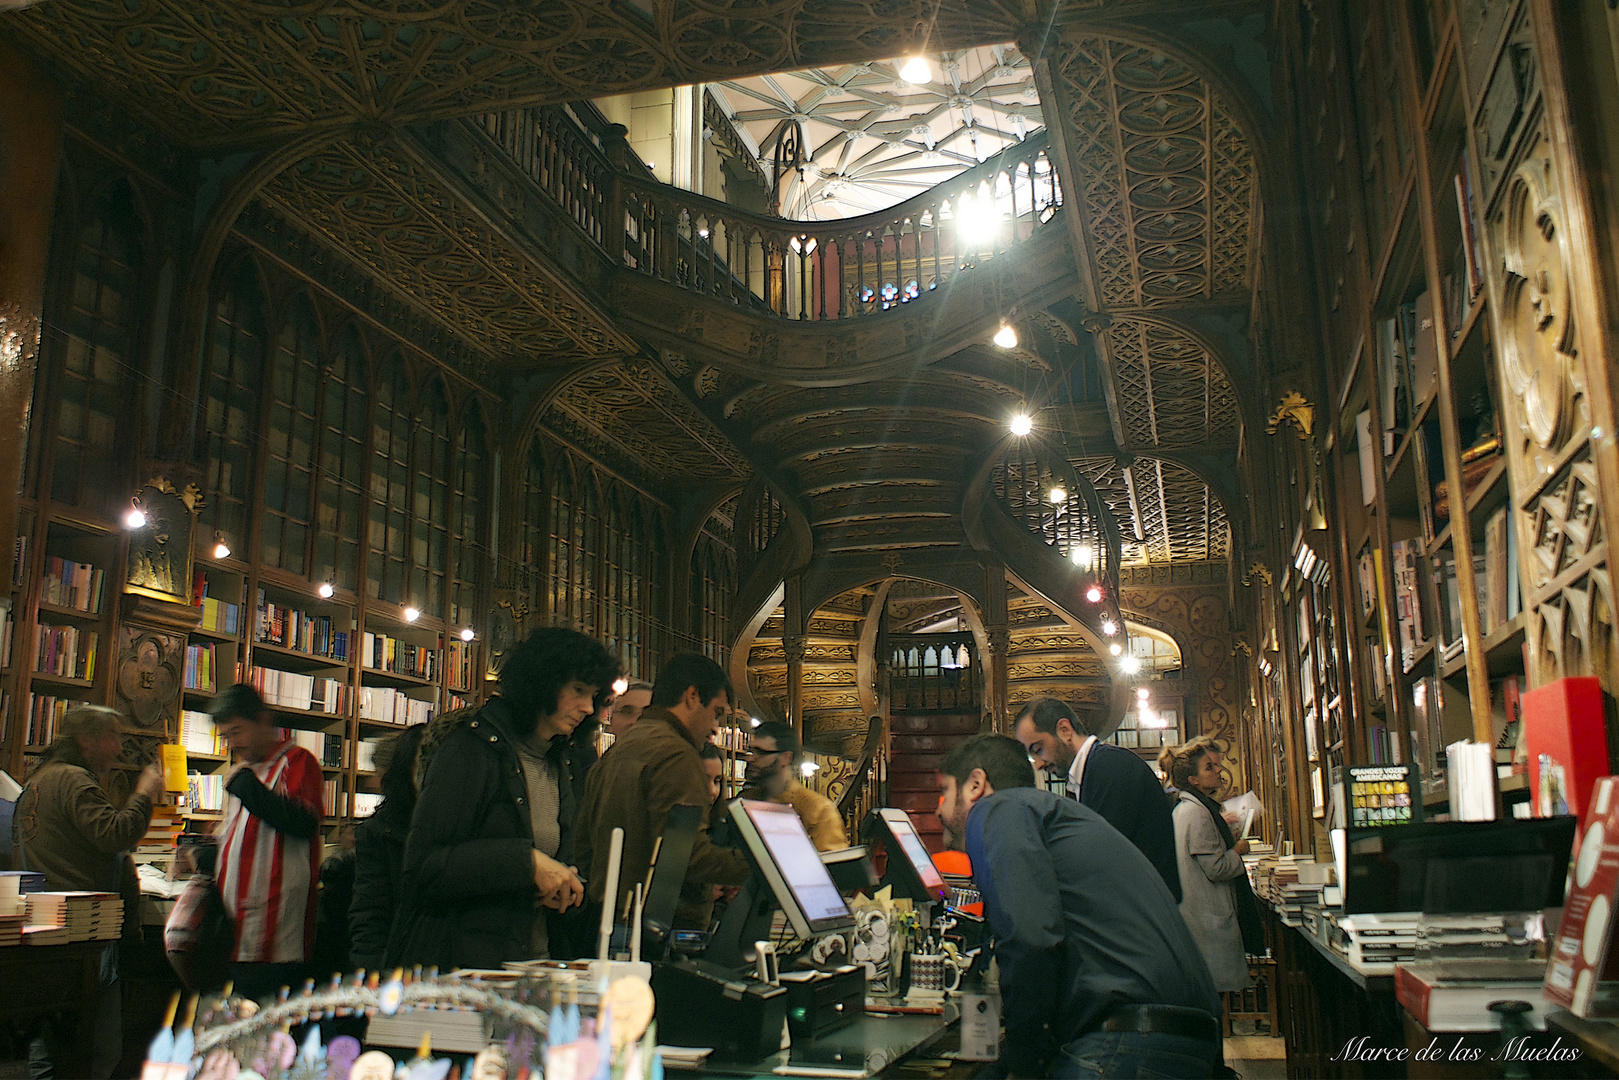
(1198, 618)
(1172, 392)
(148, 680)
(1166, 174)
(1182, 519)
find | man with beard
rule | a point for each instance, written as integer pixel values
(1099, 975)
(490, 845)
(1109, 779)
(773, 760)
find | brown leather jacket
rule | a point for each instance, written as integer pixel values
(651, 769)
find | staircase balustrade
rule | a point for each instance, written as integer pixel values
(845, 268)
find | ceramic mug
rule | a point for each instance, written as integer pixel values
(934, 971)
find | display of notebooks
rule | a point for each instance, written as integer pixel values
(1381, 795)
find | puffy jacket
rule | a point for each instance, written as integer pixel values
(467, 895)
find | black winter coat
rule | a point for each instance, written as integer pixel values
(379, 862)
(467, 895)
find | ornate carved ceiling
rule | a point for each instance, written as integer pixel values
(1172, 391)
(383, 207)
(239, 72)
(1180, 517)
(872, 139)
(1167, 175)
(629, 416)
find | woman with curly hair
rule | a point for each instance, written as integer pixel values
(1213, 879)
(488, 857)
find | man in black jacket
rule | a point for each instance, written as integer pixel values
(1109, 779)
(490, 839)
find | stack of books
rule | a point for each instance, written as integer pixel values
(83, 916)
(44, 934)
(164, 831)
(28, 881)
(1375, 943)
(11, 930)
(456, 1032)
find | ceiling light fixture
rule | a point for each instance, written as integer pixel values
(1130, 665)
(1109, 627)
(1057, 496)
(412, 614)
(916, 71)
(1094, 594)
(1005, 337)
(1115, 648)
(1141, 694)
(326, 590)
(467, 633)
(1021, 424)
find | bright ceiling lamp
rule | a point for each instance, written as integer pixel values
(1081, 555)
(1021, 425)
(978, 218)
(916, 71)
(1130, 665)
(1109, 627)
(1094, 594)
(1057, 495)
(1006, 336)
(1141, 694)
(1115, 648)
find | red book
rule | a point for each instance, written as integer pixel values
(1566, 737)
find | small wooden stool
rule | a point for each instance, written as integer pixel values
(1258, 1002)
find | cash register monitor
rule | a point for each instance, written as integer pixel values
(790, 865)
(910, 867)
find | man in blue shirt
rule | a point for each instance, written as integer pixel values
(1099, 975)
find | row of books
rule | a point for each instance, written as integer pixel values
(386, 705)
(332, 798)
(66, 651)
(459, 659)
(219, 617)
(328, 749)
(44, 712)
(290, 628)
(199, 734)
(202, 668)
(1466, 278)
(205, 791)
(19, 561)
(1407, 363)
(1406, 556)
(309, 693)
(72, 584)
(379, 652)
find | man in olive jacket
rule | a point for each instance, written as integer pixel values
(650, 770)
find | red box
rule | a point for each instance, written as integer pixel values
(1565, 732)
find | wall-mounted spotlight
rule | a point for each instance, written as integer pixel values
(326, 590)
(467, 633)
(134, 518)
(1005, 337)
(411, 614)
(221, 549)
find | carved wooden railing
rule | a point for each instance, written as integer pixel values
(934, 672)
(801, 270)
(866, 787)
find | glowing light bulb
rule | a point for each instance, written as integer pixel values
(326, 590)
(916, 71)
(1141, 694)
(221, 550)
(1115, 648)
(134, 519)
(411, 614)
(1094, 594)
(1057, 496)
(1130, 665)
(1085, 555)
(467, 633)
(1005, 337)
(753, 721)
(1021, 424)
(809, 768)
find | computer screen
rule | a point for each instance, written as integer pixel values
(789, 862)
(1459, 867)
(915, 856)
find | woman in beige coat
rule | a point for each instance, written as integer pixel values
(1210, 865)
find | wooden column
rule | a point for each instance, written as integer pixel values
(30, 153)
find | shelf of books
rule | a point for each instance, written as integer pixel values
(1421, 514)
(401, 668)
(59, 660)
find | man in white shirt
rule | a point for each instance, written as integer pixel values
(1109, 779)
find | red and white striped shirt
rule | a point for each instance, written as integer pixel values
(267, 878)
